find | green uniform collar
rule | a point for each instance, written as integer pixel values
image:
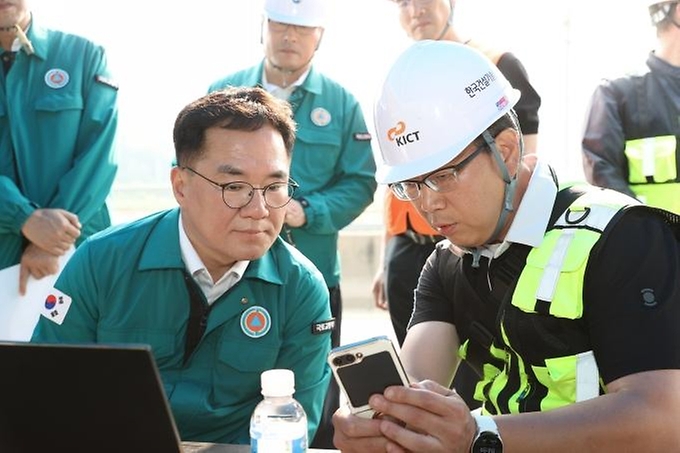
(313, 83)
(38, 37)
(162, 251)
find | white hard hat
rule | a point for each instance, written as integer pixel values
(659, 9)
(308, 13)
(436, 99)
(649, 3)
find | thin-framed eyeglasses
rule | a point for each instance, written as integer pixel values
(442, 180)
(418, 3)
(237, 194)
(280, 27)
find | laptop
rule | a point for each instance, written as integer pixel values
(83, 398)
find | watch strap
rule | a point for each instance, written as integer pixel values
(485, 425)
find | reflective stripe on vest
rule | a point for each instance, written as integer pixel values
(553, 277)
(652, 171)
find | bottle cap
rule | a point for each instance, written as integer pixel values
(278, 382)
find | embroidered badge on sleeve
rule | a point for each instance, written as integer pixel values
(323, 326)
(106, 81)
(362, 136)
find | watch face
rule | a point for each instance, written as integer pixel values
(488, 443)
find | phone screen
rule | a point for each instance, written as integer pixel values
(371, 375)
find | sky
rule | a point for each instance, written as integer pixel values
(166, 54)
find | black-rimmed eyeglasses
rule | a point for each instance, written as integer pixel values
(442, 180)
(237, 194)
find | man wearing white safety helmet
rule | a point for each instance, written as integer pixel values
(408, 238)
(564, 301)
(332, 158)
(630, 142)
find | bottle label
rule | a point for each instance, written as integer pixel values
(268, 445)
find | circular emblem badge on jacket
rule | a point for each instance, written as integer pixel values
(256, 322)
(56, 78)
(320, 116)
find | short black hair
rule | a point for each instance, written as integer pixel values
(240, 108)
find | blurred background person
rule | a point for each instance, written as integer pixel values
(630, 139)
(58, 119)
(332, 158)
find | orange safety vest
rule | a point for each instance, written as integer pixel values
(400, 214)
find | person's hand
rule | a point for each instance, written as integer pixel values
(379, 295)
(38, 263)
(437, 419)
(295, 214)
(356, 434)
(53, 230)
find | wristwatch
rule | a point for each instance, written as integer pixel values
(487, 439)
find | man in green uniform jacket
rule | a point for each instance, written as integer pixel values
(58, 119)
(332, 162)
(210, 286)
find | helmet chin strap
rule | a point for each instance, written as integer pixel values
(449, 21)
(508, 196)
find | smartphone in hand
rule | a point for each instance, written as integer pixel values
(365, 368)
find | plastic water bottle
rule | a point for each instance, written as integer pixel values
(279, 422)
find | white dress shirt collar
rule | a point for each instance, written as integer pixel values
(533, 213)
(198, 271)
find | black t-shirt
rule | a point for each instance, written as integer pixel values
(631, 295)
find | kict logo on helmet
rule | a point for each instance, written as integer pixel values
(396, 130)
(395, 134)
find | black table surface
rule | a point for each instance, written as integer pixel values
(202, 447)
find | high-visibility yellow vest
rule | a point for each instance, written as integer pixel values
(652, 171)
(553, 278)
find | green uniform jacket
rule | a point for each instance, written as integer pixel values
(127, 286)
(332, 162)
(56, 138)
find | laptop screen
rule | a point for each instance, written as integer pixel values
(56, 397)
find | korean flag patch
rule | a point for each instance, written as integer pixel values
(56, 306)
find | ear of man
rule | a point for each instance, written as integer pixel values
(177, 182)
(507, 142)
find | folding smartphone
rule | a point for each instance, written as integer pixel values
(365, 368)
